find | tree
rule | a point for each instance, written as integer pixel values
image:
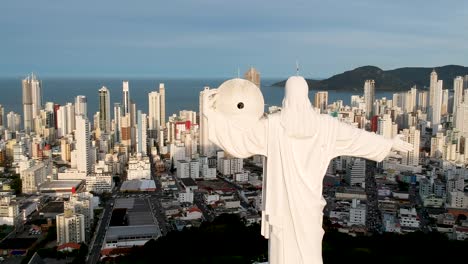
(16, 184)
(172, 165)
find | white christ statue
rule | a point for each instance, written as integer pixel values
(298, 144)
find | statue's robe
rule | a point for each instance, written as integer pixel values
(293, 174)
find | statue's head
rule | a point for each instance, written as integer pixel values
(240, 101)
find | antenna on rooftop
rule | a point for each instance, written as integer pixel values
(238, 72)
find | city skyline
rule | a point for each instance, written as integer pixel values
(212, 39)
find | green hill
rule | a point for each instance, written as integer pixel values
(400, 79)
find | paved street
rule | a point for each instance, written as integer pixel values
(373, 217)
(94, 251)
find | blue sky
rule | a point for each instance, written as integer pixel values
(212, 38)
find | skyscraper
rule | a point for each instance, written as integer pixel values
(154, 111)
(410, 100)
(432, 87)
(253, 75)
(206, 147)
(141, 133)
(13, 121)
(461, 121)
(162, 95)
(125, 136)
(422, 101)
(2, 116)
(321, 100)
(369, 97)
(126, 98)
(117, 121)
(31, 101)
(437, 104)
(65, 119)
(457, 94)
(104, 110)
(81, 105)
(384, 126)
(412, 136)
(83, 144)
(445, 102)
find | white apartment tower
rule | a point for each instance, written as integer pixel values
(369, 97)
(70, 228)
(457, 94)
(83, 144)
(412, 136)
(162, 95)
(81, 105)
(385, 126)
(141, 133)
(461, 119)
(432, 87)
(206, 147)
(154, 111)
(437, 104)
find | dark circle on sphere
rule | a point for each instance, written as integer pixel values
(240, 105)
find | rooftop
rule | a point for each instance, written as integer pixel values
(60, 184)
(123, 232)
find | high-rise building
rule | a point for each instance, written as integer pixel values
(2, 116)
(13, 121)
(369, 97)
(125, 137)
(141, 133)
(457, 94)
(66, 122)
(437, 104)
(82, 203)
(384, 126)
(356, 172)
(432, 87)
(117, 121)
(81, 105)
(422, 101)
(321, 101)
(410, 100)
(31, 101)
(83, 145)
(126, 98)
(412, 136)
(444, 107)
(206, 146)
(104, 110)
(162, 95)
(253, 75)
(154, 111)
(461, 120)
(70, 227)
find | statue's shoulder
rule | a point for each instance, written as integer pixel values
(272, 117)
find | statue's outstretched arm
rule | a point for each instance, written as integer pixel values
(351, 141)
(237, 141)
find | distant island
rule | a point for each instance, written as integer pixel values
(400, 79)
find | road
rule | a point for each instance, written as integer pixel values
(95, 249)
(373, 215)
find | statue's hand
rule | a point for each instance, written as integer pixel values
(400, 145)
(209, 106)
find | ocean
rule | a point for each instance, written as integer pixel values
(181, 94)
